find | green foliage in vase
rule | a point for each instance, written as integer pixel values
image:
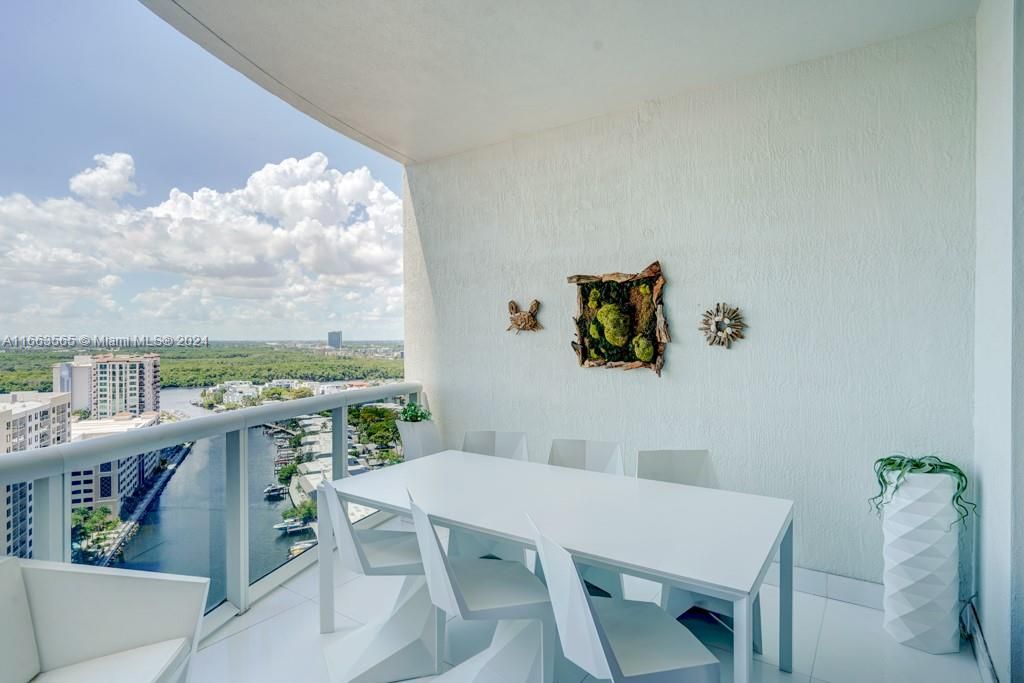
(891, 471)
(414, 412)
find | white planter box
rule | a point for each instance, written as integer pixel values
(921, 553)
(418, 438)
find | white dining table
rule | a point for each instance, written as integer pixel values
(708, 541)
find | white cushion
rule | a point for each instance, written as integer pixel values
(156, 663)
(18, 652)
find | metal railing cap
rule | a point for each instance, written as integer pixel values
(50, 461)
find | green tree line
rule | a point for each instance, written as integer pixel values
(22, 370)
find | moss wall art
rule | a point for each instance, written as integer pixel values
(620, 321)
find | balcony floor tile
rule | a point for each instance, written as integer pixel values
(853, 647)
(835, 642)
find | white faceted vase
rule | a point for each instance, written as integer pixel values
(920, 549)
(418, 438)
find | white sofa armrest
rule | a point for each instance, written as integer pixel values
(81, 612)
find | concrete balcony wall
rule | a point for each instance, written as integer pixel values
(832, 200)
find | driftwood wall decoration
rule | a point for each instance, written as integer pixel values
(722, 325)
(620, 321)
(521, 321)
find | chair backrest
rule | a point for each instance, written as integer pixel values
(19, 653)
(419, 438)
(351, 553)
(440, 584)
(579, 631)
(678, 467)
(511, 445)
(581, 454)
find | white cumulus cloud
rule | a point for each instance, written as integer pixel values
(297, 244)
(112, 177)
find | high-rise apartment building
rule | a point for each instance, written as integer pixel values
(110, 484)
(334, 339)
(125, 384)
(75, 378)
(28, 419)
(110, 384)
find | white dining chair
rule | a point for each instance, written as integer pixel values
(582, 454)
(623, 641)
(419, 439)
(489, 590)
(691, 467)
(408, 641)
(511, 445)
(594, 456)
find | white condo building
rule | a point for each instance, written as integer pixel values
(111, 384)
(75, 378)
(110, 484)
(28, 419)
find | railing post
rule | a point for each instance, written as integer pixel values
(236, 516)
(51, 525)
(325, 554)
(339, 442)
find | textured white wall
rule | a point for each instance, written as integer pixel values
(832, 200)
(993, 328)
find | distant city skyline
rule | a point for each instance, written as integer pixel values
(179, 197)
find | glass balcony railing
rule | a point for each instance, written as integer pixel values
(229, 496)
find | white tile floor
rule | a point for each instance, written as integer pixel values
(835, 642)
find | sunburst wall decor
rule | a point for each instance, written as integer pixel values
(722, 325)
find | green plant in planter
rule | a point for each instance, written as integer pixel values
(414, 412)
(901, 465)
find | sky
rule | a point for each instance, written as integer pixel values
(147, 188)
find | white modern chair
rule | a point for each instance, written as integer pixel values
(620, 640)
(594, 456)
(511, 445)
(407, 643)
(63, 623)
(691, 467)
(581, 454)
(419, 438)
(490, 590)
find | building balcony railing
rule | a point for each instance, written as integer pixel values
(209, 531)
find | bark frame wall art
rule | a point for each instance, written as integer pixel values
(620, 320)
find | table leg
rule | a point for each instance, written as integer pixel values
(742, 639)
(325, 553)
(786, 601)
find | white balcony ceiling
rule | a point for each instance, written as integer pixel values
(423, 79)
